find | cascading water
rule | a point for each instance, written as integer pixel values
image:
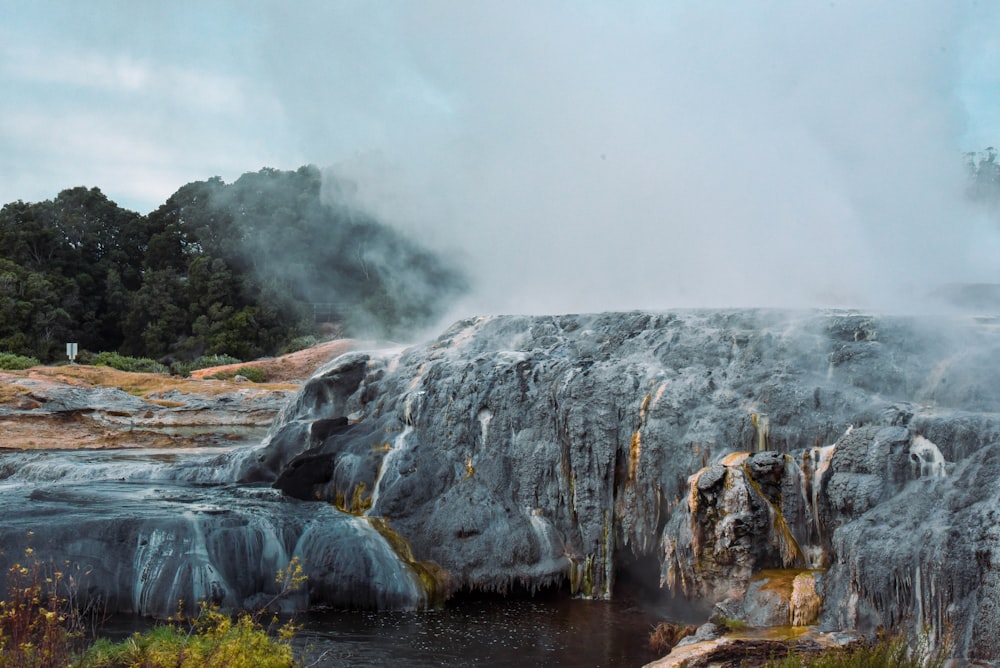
(926, 459)
(387, 467)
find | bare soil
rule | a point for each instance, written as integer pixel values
(212, 411)
(297, 366)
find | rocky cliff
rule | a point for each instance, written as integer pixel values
(790, 467)
(525, 452)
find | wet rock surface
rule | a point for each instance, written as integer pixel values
(528, 451)
(65, 410)
(515, 453)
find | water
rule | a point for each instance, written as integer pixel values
(491, 632)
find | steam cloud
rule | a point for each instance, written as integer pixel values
(660, 154)
(582, 156)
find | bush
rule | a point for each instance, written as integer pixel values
(204, 362)
(125, 363)
(666, 635)
(251, 373)
(12, 362)
(299, 343)
(212, 639)
(38, 627)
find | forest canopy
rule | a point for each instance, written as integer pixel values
(241, 269)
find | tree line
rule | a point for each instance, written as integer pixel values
(242, 269)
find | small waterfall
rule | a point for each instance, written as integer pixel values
(762, 426)
(926, 459)
(816, 462)
(387, 467)
(550, 544)
(805, 603)
(484, 416)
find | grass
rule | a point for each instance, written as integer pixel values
(885, 652)
(9, 393)
(138, 384)
(213, 640)
(667, 634)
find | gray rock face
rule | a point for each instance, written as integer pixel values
(538, 450)
(521, 452)
(139, 536)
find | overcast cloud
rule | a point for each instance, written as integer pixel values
(575, 156)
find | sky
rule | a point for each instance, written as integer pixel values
(573, 156)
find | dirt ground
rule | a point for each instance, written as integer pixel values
(183, 412)
(297, 366)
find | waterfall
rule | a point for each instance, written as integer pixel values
(926, 459)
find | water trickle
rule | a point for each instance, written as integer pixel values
(762, 425)
(926, 459)
(484, 416)
(816, 465)
(387, 467)
(805, 604)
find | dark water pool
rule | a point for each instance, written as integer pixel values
(522, 633)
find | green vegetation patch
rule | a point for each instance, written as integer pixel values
(885, 652)
(13, 362)
(251, 373)
(214, 640)
(181, 368)
(125, 363)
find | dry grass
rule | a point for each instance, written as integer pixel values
(299, 365)
(140, 384)
(10, 393)
(667, 634)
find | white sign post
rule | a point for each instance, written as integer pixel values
(71, 349)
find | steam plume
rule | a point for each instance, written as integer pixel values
(591, 158)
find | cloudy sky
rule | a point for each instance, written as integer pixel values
(574, 155)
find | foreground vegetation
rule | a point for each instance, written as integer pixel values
(885, 652)
(44, 625)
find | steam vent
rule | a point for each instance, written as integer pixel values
(796, 468)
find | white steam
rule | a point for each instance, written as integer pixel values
(581, 155)
(681, 154)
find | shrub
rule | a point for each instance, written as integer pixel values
(125, 363)
(251, 373)
(212, 639)
(204, 362)
(12, 362)
(299, 343)
(38, 627)
(667, 634)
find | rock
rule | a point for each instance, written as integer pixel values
(749, 649)
(781, 598)
(540, 450)
(521, 452)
